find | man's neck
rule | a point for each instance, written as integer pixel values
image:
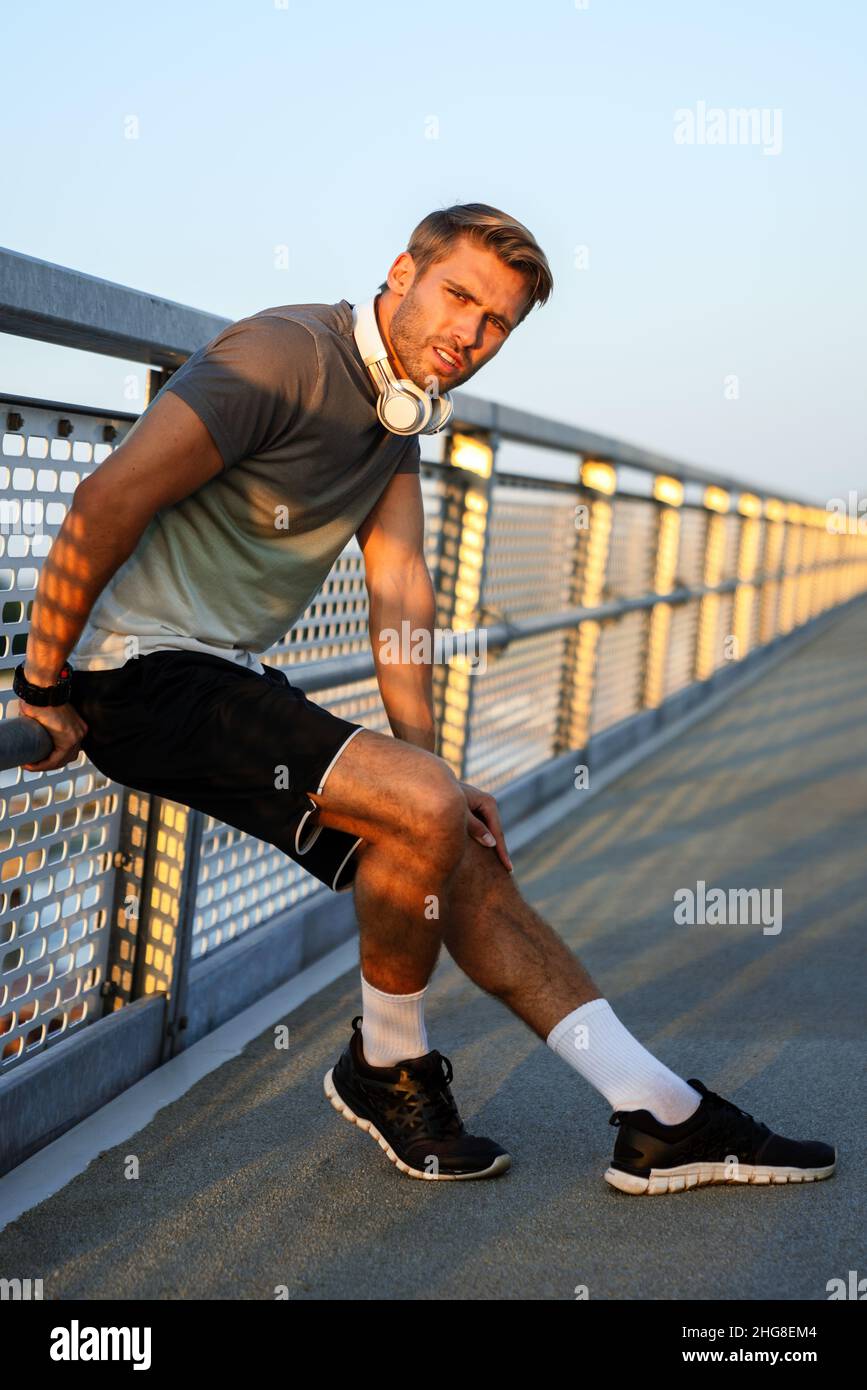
(383, 321)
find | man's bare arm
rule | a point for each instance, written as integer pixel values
(167, 454)
(399, 588)
(406, 687)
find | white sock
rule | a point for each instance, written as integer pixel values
(392, 1026)
(594, 1041)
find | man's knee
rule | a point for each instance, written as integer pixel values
(432, 833)
(436, 809)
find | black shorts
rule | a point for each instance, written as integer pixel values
(219, 737)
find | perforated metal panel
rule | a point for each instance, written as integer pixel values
(619, 670)
(59, 833)
(515, 712)
(60, 828)
(732, 546)
(531, 543)
(683, 629)
(632, 554)
(690, 560)
(724, 630)
(516, 699)
(622, 644)
(770, 562)
(680, 657)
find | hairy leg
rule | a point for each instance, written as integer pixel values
(412, 813)
(506, 948)
(422, 880)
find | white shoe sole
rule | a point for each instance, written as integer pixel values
(702, 1174)
(499, 1165)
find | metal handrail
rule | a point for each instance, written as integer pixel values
(54, 304)
(24, 739)
(334, 671)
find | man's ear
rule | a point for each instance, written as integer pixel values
(401, 274)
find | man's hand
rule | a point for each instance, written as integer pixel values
(66, 728)
(484, 821)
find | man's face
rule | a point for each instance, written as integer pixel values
(467, 305)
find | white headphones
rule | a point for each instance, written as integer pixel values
(401, 405)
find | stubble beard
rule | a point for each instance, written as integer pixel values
(407, 331)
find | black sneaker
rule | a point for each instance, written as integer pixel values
(719, 1143)
(410, 1112)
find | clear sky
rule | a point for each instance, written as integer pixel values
(716, 312)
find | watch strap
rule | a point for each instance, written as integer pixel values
(57, 694)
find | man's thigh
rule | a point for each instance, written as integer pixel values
(382, 786)
(241, 747)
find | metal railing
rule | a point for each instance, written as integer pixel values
(594, 604)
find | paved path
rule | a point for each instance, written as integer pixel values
(251, 1180)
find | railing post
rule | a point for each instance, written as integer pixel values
(791, 561)
(597, 483)
(750, 509)
(460, 581)
(156, 380)
(772, 559)
(809, 539)
(825, 558)
(183, 939)
(716, 501)
(166, 909)
(668, 495)
(131, 866)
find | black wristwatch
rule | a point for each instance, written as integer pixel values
(57, 694)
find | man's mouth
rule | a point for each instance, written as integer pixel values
(449, 360)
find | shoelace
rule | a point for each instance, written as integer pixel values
(739, 1124)
(724, 1104)
(430, 1096)
(439, 1101)
(429, 1106)
(724, 1110)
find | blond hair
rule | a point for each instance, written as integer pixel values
(435, 236)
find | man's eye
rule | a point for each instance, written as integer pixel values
(496, 322)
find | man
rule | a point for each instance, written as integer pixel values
(198, 543)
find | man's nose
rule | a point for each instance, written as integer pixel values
(466, 335)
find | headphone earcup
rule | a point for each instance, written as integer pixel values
(403, 408)
(442, 410)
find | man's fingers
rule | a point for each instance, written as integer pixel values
(479, 830)
(489, 836)
(66, 729)
(485, 824)
(56, 759)
(492, 815)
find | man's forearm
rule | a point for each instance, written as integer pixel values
(406, 683)
(84, 555)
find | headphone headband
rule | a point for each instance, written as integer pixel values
(402, 407)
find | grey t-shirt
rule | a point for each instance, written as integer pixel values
(229, 568)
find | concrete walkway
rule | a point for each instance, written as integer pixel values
(251, 1181)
